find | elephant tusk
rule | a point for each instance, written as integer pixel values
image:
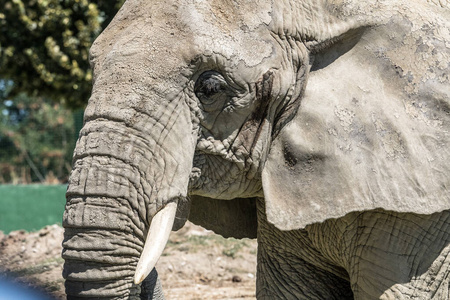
(157, 238)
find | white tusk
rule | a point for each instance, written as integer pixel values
(157, 238)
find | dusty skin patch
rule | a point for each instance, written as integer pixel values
(197, 264)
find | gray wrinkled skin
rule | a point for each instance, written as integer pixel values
(319, 127)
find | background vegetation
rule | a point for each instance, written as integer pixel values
(45, 82)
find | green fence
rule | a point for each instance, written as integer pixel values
(31, 207)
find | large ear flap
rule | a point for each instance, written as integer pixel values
(355, 144)
(300, 179)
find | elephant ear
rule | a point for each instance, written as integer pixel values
(360, 140)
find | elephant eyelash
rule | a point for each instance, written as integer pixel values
(212, 90)
(210, 87)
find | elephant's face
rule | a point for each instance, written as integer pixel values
(227, 67)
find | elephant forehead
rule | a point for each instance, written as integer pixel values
(145, 38)
(162, 37)
(230, 28)
(230, 15)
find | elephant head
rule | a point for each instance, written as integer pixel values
(202, 107)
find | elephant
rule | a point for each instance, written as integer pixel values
(321, 128)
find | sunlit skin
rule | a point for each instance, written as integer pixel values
(295, 115)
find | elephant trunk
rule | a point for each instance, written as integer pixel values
(103, 238)
(124, 178)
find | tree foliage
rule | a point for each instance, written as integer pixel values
(37, 137)
(44, 46)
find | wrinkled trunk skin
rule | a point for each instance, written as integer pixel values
(121, 177)
(103, 236)
(102, 241)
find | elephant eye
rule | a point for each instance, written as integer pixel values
(210, 88)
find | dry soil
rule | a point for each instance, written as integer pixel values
(196, 264)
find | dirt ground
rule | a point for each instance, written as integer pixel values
(196, 264)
